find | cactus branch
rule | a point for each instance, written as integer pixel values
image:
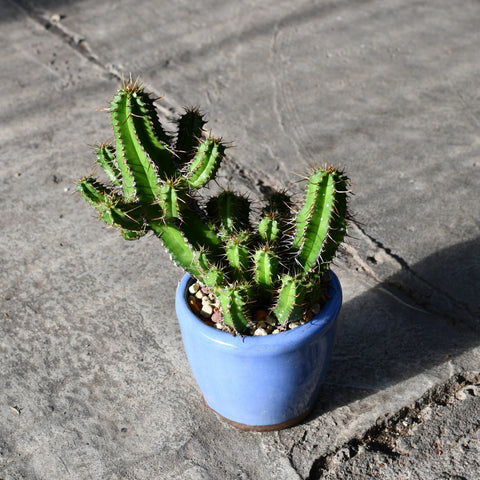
(138, 170)
(235, 307)
(207, 161)
(290, 300)
(266, 265)
(189, 132)
(112, 210)
(230, 212)
(238, 255)
(324, 207)
(106, 159)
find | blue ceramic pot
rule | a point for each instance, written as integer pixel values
(260, 383)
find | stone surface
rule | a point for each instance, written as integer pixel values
(93, 379)
(438, 437)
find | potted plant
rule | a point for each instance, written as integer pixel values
(258, 304)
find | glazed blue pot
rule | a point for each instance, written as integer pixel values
(260, 383)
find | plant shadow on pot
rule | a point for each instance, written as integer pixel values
(381, 341)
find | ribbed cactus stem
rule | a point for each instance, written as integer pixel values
(200, 233)
(321, 215)
(143, 158)
(234, 302)
(169, 200)
(237, 250)
(207, 161)
(266, 264)
(338, 220)
(138, 170)
(112, 210)
(195, 262)
(189, 133)
(276, 219)
(269, 228)
(230, 212)
(106, 159)
(185, 235)
(289, 306)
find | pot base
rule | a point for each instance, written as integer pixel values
(262, 428)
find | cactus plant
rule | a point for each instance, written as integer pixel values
(274, 264)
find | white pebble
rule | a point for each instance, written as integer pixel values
(193, 288)
(260, 332)
(206, 311)
(461, 395)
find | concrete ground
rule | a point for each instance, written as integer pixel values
(94, 383)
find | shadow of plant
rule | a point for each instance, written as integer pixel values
(386, 336)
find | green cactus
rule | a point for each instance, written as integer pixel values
(275, 264)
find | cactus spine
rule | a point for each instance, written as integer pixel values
(274, 264)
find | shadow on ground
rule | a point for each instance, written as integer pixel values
(384, 339)
(15, 9)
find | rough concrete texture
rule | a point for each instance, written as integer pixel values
(93, 379)
(437, 437)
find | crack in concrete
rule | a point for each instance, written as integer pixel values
(388, 251)
(52, 23)
(384, 435)
(78, 42)
(418, 292)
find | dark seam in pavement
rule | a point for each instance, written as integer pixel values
(403, 263)
(74, 40)
(383, 436)
(398, 285)
(78, 43)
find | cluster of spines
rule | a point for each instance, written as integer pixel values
(153, 183)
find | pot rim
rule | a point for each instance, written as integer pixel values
(322, 321)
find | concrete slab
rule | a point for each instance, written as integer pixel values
(437, 437)
(94, 382)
